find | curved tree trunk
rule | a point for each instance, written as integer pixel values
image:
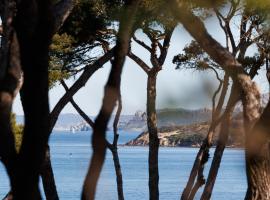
(153, 137)
(111, 94)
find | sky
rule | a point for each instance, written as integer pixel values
(175, 88)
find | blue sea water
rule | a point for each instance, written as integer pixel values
(71, 154)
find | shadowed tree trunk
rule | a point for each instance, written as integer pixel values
(61, 11)
(33, 25)
(111, 94)
(10, 74)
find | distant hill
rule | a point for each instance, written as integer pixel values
(191, 135)
(167, 117)
(137, 122)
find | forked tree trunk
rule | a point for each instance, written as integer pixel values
(153, 137)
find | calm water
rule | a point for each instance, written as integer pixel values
(71, 153)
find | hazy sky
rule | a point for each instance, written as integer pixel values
(175, 88)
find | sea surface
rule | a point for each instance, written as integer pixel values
(71, 154)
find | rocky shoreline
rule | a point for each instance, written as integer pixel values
(188, 136)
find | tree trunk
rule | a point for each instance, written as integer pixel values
(10, 74)
(153, 137)
(47, 176)
(34, 29)
(258, 158)
(221, 144)
(112, 147)
(118, 172)
(203, 154)
(111, 94)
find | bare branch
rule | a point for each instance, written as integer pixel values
(77, 108)
(141, 43)
(165, 46)
(140, 62)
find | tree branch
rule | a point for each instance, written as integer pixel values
(88, 72)
(139, 61)
(77, 108)
(141, 43)
(165, 46)
(61, 11)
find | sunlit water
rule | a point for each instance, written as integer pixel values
(70, 158)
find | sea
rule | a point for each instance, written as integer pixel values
(70, 158)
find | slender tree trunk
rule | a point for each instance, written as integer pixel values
(47, 176)
(221, 144)
(114, 150)
(203, 154)
(111, 94)
(153, 137)
(118, 172)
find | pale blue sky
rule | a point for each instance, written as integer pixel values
(175, 88)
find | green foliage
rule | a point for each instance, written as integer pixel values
(61, 51)
(18, 132)
(71, 46)
(193, 58)
(87, 17)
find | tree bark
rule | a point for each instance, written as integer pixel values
(33, 25)
(258, 158)
(10, 74)
(111, 94)
(47, 177)
(153, 137)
